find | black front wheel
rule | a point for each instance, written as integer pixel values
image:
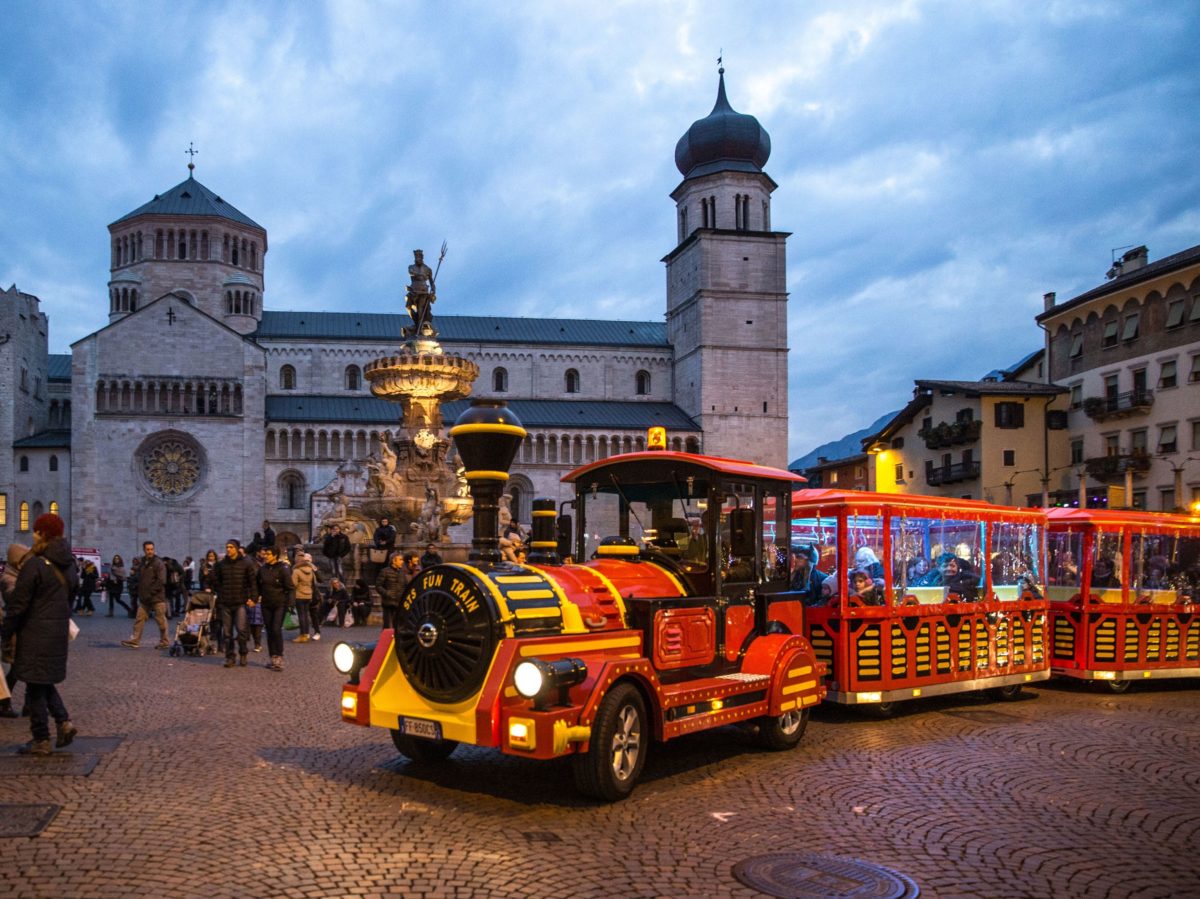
(784, 731)
(616, 754)
(1118, 686)
(421, 750)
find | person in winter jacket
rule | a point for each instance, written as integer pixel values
(336, 547)
(304, 577)
(391, 584)
(234, 582)
(274, 595)
(152, 598)
(385, 536)
(17, 554)
(114, 583)
(88, 577)
(38, 614)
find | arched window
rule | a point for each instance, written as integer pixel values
(353, 377)
(37, 511)
(291, 490)
(572, 381)
(500, 380)
(287, 378)
(53, 508)
(133, 300)
(643, 383)
(234, 259)
(692, 445)
(183, 245)
(23, 517)
(54, 463)
(24, 463)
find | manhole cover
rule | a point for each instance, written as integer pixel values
(25, 820)
(61, 764)
(986, 716)
(800, 875)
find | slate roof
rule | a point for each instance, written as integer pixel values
(53, 439)
(1183, 258)
(58, 367)
(462, 329)
(190, 197)
(592, 414)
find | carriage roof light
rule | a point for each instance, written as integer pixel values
(538, 680)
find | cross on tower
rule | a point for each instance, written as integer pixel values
(171, 316)
(191, 151)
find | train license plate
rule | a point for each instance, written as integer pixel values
(417, 727)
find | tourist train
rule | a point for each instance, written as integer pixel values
(711, 592)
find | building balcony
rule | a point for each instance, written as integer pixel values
(948, 433)
(1113, 468)
(1120, 405)
(952, 474)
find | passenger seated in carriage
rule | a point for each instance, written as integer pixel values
(865, 589)
(806, 579)
(960, 580)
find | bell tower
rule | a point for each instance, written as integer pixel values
(189, 241)
(727, 289)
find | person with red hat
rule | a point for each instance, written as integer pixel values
(39, 614)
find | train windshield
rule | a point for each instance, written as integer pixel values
(671, 518)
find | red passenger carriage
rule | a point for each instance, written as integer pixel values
(1135, 619)
(952, 599)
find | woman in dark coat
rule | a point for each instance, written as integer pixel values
(39, 614)
(114, 583)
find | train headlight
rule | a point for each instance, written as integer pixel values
(529, 679)
(349, 658)
(538, 680)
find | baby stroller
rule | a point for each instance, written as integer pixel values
(193, 633)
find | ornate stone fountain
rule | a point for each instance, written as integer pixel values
(409, 478)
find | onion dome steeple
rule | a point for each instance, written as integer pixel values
(724, 141)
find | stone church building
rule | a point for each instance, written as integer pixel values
(198, 411)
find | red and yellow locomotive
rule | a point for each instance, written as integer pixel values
(665, 627)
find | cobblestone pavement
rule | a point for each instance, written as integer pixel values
(244, 782)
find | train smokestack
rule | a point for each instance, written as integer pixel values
(487, 437)
(543, 541)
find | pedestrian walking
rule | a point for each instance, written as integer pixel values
(131, 585)
(114, 583)
(274, 595)
(176, 594)
(232, 579)
(88, 577)
(391, 584)
(38, 615)
(152, 598)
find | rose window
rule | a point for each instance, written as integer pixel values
(172, 466)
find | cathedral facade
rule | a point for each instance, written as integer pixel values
(198, 412)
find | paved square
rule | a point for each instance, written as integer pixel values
(242, 782)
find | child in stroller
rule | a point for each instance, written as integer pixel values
(193, 634)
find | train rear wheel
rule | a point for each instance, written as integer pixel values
(784, 731)
(616, 753)
(1007, 693)
(1118, 686)
(421, 750)
(880, 709)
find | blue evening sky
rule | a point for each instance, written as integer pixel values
(941, 164)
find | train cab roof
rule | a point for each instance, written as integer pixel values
(865, 502)
(656, 464)
(1114, 519)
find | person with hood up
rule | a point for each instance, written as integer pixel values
(866, 559)
(39, 614)
(17, 554)
(806, 578)
(304, 577)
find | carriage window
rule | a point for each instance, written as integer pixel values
(1065, 552)
(817, 538)
(936, 560)
(1106, 561)
(738, 540)
(1016, 563)
(864, 549)
(1159, 566)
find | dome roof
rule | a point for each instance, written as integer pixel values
(724, 141)
(188, 198)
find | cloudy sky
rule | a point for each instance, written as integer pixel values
(940, 164)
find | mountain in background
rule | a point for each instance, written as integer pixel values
(850, 445)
